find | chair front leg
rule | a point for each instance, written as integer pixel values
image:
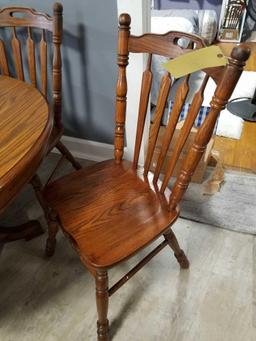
(178, 252)
(102, 298)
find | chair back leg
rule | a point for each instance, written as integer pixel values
(64, 151)
(178, 252)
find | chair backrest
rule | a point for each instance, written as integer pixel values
(31, 24)
(167, 45)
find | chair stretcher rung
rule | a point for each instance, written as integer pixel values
(137, 267)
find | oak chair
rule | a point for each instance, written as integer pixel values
(113, 209)
(27, 38)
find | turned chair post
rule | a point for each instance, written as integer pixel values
(121, 87)
(222, 93)
(57, 64)
(102, 298)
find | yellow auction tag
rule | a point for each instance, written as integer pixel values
(196, 60)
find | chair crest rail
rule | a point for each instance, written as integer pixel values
(26, 17)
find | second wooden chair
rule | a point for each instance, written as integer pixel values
(29, 24)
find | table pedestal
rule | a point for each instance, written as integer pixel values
(25, 231)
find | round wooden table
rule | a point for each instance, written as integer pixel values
(25, 127)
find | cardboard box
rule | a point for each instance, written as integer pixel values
(201, 168)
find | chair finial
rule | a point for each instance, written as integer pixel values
(57, 7)
(241, 53)
(124, 19)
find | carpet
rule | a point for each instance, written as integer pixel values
(233, 207)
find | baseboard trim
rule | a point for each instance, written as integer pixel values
(87, 149)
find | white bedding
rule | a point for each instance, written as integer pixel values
(163, 25)
(207, 24)
(203, 22)
(229, 125)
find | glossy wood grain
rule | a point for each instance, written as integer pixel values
(178, 103)
(16, 47)
(160, 106)
(3, 59)
(43, 61)
(143, 106)
(25, 125)
(121, 88)
(16, 19)
(31, 58)
(163, 44)
(127, 201)
(113, 209)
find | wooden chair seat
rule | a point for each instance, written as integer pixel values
(104, 206)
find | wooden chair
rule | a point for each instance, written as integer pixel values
(28, 24)
(113, 209)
